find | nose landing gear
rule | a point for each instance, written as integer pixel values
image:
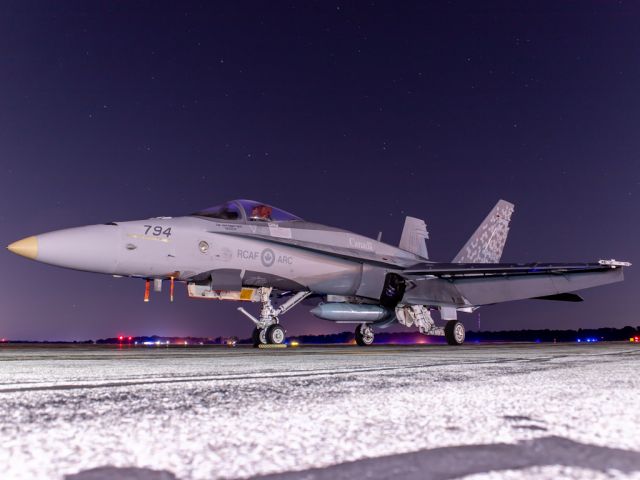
(268, 329)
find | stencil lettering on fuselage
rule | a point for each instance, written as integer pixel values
(361, 244)
(285, 259)
(229, 226)
(267, 257)
(248, 254)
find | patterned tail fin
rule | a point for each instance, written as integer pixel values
(487, 243)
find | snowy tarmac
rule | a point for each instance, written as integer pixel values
(425, 412)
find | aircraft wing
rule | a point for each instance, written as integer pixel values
(470, 284)
(458, 270)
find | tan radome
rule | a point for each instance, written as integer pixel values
(27, 247)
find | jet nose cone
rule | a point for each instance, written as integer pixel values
(27, 247)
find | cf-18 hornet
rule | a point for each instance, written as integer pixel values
(248, 251)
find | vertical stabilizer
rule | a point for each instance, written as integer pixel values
(487, 243)
(413, 237)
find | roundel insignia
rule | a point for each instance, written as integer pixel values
(267, 257)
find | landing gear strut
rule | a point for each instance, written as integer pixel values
(268, 329)
(420, 316)
(364, 335)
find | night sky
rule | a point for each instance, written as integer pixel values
(347, 114)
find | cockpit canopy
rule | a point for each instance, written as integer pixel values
(247, 211)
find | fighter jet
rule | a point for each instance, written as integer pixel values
(248, 251)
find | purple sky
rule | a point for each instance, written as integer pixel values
(352, 115)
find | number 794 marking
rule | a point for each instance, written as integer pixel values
(156, 230)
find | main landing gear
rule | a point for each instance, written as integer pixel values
(454, 332)
(268, 329)
(420, 316)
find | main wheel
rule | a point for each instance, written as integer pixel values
(258, 337)
(364, 335)
(276, 334)
(454, 332)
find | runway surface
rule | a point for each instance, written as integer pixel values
(433, 411)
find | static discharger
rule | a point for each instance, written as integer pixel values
(171, 284)
(147, 289)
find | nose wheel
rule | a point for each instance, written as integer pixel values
(273, 334)
(364, 335)
(259, 337)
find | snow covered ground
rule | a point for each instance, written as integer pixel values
(474, 412)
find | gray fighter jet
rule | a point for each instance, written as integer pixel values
(248, 251)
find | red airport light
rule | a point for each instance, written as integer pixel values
(120, 338)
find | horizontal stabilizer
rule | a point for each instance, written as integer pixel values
(487, 242)
(562, 297)
(413, 237)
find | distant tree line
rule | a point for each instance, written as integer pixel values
(406, 338)
(597, 334)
